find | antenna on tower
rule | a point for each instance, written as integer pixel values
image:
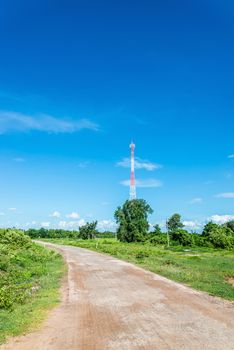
(132, 193)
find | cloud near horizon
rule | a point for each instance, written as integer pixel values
(221, 219)
(225, 195)
(19, 122)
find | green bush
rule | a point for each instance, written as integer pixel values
(158, 239)
(21, 264)
(182, 237)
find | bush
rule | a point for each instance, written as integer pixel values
(21, 264)
(158, 238)
(182, 237)
(221, 238)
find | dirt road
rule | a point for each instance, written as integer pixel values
(109, 304)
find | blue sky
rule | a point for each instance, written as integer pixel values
(80, 79)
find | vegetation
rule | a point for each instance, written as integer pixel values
(202, 268)
(29, 282)
(87, 231)
(132, 220)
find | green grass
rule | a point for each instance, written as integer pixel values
(29, 284)
(204, 269)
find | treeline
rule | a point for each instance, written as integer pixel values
(213, 236)
(132, 218)
(133, 226)
(87, 231)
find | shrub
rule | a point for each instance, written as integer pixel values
(182, 237)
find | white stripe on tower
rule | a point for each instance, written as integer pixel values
(132, 194)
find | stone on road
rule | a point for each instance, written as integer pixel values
(109, 304)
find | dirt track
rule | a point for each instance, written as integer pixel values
(112, 305)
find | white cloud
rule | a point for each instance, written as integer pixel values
(45, 224)
(81, 222)
(231, 156)
(73, 215)
(143, 183)
(139, 164)
(191, 224)
(74, 225)
(225, 195)
(83, 165)
(19, 160)
(14, 121)
(2, 214)
(55, 214)
(196, 200)
(221, 219)
(12, 209)
(106, 225)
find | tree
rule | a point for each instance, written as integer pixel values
(221, 237)
(230, 224)
(132, 218)
(208, 228)
(88, 231)
(182, 237)
(157, 230)
(174, 223)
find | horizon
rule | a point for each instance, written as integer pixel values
(76, 90)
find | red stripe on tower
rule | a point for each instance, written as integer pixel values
(132, 193)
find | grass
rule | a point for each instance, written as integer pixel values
(29, 284)
(204, 269)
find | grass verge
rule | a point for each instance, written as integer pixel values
(204, 269)
(29, 285)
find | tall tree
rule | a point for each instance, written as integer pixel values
(132, 218)
(174, 223)
(88, 231)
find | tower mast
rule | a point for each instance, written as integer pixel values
(132, 193)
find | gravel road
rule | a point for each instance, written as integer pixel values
(108, 304)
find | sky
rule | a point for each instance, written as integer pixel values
(80, 79)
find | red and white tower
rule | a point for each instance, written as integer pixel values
(132, 193)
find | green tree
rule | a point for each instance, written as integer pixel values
(221, 237)
(208, 228)
(182, 237)
(88, 231)
(230, 224)
(174, 223)
(132, 218)
(157, 230)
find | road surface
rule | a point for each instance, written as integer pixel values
(108, 304)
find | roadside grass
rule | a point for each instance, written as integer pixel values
(202, 268)
(30, 278)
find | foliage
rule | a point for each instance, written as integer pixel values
(218, 236)
(182, 237)
(208, 228)
(27, 270)
(174, 223)
(51, 233)
(21, 263)
(132, 218)
(157, 230)
(88, 231)
(230, 224)
(158, 238)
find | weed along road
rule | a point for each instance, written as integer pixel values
(108, 304)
